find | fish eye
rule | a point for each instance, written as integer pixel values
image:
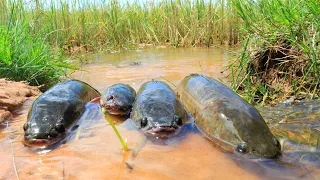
(276, 142)
(110, 98)
(242, 148)
(178, 120)
(25, 126)
(60, 128)
(53, 133)
(144, 122)
(27, 133)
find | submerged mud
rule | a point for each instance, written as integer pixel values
(13, 95)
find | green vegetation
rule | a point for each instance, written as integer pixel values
(85, 26)
(107, 117)
(281, 50)
(25, 56)
(35, 33)
(280, 57)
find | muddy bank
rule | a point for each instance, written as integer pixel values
(13, 95)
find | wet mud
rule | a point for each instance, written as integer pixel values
(13, 95)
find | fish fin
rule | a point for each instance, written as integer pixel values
(74, 127)
(77, 134)
(96, 100)
(139, 146)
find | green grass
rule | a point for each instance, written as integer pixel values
(25, 55)
(281, 58)
(27, 58)
(84, 25)
(34, 35)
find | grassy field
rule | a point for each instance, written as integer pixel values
(280, 37)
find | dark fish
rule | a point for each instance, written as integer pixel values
(157, 111)
(54, 113)
(226, 118)
(118, 99)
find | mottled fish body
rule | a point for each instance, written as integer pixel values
(54, 113)
(225, 118)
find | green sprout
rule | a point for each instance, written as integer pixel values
(124, 145)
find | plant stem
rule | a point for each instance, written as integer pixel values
(124, 145)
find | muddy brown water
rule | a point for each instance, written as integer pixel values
(94, 152)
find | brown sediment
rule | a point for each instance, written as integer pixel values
(4, 114)
(13, 95)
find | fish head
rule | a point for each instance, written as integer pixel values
(42, 130)
(160, 126)
(248, 131)
(118, 100)
(258, 140)
(156, 111)
(270, 149)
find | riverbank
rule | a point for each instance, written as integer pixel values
(280, 39)
(281, 52)
(13, 95)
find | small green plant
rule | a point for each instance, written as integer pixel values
(107, 117)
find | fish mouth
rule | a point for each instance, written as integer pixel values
(161, 132)
(41, 143)
(37, 142)
(115, 109)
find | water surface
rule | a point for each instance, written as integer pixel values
(94, 152)
(136, 67)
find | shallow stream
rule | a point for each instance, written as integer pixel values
(94, 152)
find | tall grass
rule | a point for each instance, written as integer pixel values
(281, 58)
(35, 33)
(280, 37)
(25, 54)
(88, 25)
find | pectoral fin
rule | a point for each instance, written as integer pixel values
(96, 100)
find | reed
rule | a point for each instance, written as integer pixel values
(280, 57)
(36, 35)
(89, 25)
